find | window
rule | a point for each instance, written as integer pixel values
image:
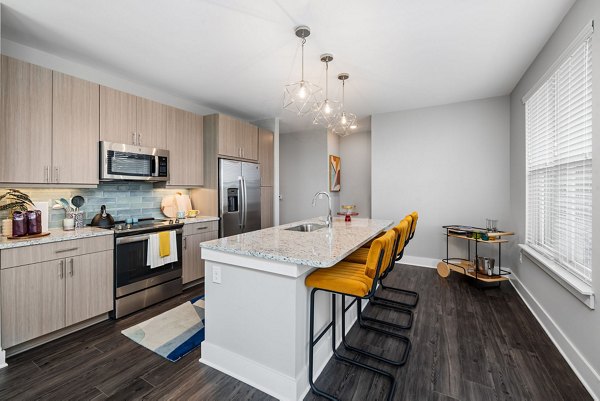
(559, 161)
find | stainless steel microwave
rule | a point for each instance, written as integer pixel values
(119, 161)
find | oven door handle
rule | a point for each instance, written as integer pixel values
(138, 238)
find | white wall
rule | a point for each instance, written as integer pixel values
(572, 325)
(355, 151)
(303, 172)
(450, 163)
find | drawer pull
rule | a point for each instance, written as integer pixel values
(201, 228)
(66, 250)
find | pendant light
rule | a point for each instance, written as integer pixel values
(343, 120)
(327, 109)
(302, 96)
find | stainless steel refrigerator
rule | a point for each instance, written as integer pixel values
(239, 197)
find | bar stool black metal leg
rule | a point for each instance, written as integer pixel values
(413, 294)
(377, 303)
(349, 347)
(311, 345)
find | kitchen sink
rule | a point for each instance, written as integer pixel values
(307, 227)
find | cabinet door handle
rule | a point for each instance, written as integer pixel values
(133, 138)
(56, 175)
(66, 250)
(45, 173)
(139, 139)
(71, 267)
(201, 228)
(185, 243)
(242, 152)
(61, 266)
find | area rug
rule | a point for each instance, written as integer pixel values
(174, 333)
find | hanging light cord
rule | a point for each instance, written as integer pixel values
(303, 42)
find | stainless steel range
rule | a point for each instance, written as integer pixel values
(137, 285)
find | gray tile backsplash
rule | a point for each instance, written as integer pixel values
(122, 200)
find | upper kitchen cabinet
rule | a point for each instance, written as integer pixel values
(26, 123)
(151, 123)
(75, 130)
(265, 157)
(236, 138)
(118, 116)
(129, 119)
(185, 144)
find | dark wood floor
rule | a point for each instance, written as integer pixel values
(468, 344)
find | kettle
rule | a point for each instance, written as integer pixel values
(103, 219)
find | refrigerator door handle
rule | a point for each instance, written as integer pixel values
(241, 207)
(245, 203)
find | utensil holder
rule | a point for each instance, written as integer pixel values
(77, 217)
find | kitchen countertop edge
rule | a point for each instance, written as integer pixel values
(56, 235)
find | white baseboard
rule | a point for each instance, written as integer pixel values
(419, 261)
(588, 376)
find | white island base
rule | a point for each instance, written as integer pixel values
(257, 306)
(257, 321)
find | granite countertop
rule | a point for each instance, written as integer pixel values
(321, 248)
(56, 235)
(198, 219)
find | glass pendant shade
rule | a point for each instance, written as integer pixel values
(301, 97)
(343, 123)
(343, 120)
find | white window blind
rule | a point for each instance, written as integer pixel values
(559, 163)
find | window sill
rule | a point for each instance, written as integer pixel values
(582, 291)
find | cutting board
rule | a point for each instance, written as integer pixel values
(171, 204)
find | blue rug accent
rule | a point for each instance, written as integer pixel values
(174, 333)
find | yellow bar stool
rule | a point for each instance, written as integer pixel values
(357, 281)
(412, 221)
(402, 231)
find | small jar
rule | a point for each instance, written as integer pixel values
(34, 222)
(68, 224)
(19, 228)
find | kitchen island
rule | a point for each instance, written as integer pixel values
(257, 304)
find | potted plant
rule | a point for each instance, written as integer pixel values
(14, 200)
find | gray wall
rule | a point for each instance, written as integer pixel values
(355, 151)
(573, 326)
(303, 172)
(450, 163)
(333, 148)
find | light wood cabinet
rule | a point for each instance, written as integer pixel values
(26, 122)
(129, 119)
(265, 156)
(185, 144)
(118, 116)
(89, 286)
(237, 138)
(151, 123)
(33, 301)
(193, 265)
(54, 286)
(266, 207)
(75, 130)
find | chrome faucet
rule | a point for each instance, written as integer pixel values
(314, 202)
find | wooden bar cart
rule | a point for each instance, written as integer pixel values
(476, 236)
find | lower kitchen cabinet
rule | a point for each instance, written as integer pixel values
(53, 293)
(89, 286)
(193, 265)
(33, 301)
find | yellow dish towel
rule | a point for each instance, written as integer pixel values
(164, 243)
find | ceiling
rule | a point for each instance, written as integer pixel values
(235, 56)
